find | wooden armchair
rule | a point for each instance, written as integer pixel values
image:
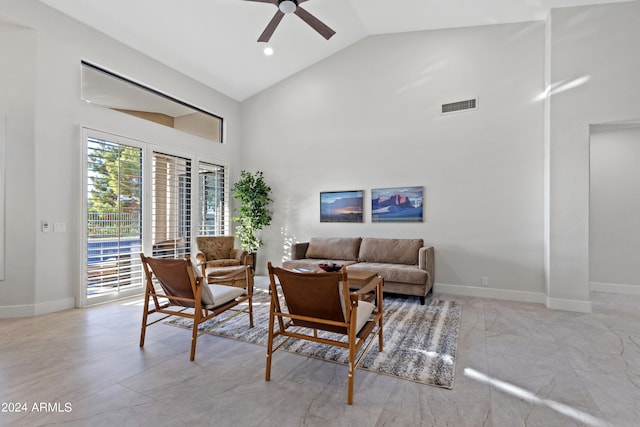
(186, 294)
(323, 301)
(217, 256)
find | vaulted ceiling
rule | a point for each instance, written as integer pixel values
(214, 41)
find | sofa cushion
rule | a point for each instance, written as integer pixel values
(343, 248)
(395, 251)
(401, 273)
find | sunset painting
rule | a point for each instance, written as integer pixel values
(341, 206)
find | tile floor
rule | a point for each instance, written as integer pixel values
(518, 364)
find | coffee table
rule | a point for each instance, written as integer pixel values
(359, 278)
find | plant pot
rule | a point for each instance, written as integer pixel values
(251, 260)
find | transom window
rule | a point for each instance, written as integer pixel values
(108, 89)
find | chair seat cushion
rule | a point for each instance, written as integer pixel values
(226, 262)
(222, 271)
(365, 309)
(217, 295)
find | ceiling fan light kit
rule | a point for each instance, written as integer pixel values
(287, 7)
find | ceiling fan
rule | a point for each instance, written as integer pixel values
(286, 7)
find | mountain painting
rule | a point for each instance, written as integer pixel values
(341, 206)
(401, 204)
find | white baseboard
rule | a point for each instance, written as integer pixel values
(30, 310)
(13, 311)
(569, 305)
(519, 296)
(481, 292)
(53, 306)
(615, 288)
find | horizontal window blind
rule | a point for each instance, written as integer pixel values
(213, 188)
(171, 206)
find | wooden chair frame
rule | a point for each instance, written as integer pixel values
(356, 339)
(189, 303)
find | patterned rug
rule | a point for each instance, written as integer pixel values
(420, 341)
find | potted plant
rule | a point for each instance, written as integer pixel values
(252, 215)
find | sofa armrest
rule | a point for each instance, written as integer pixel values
(426, 261)
(299, 250)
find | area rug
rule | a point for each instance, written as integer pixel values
(420, 341)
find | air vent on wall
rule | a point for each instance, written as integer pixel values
(454, 107)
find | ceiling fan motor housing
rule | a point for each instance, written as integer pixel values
(287, 6)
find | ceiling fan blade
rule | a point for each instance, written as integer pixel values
(271, 27)
(266, 1)
(315, 23)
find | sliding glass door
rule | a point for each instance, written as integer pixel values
(113, 218)
(138, 197)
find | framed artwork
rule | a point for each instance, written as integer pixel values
(341, 206)
(398, 204)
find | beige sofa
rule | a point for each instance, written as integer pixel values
(406, 265)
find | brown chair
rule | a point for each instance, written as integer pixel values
(183, 292)
(323, 301)
(217, 256)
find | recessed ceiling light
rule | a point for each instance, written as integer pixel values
(268, 51)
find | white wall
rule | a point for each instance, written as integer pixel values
(369, 117)
(594, 75)
(41, 69)
(17, 108)
(614, 221)
(366, 117)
